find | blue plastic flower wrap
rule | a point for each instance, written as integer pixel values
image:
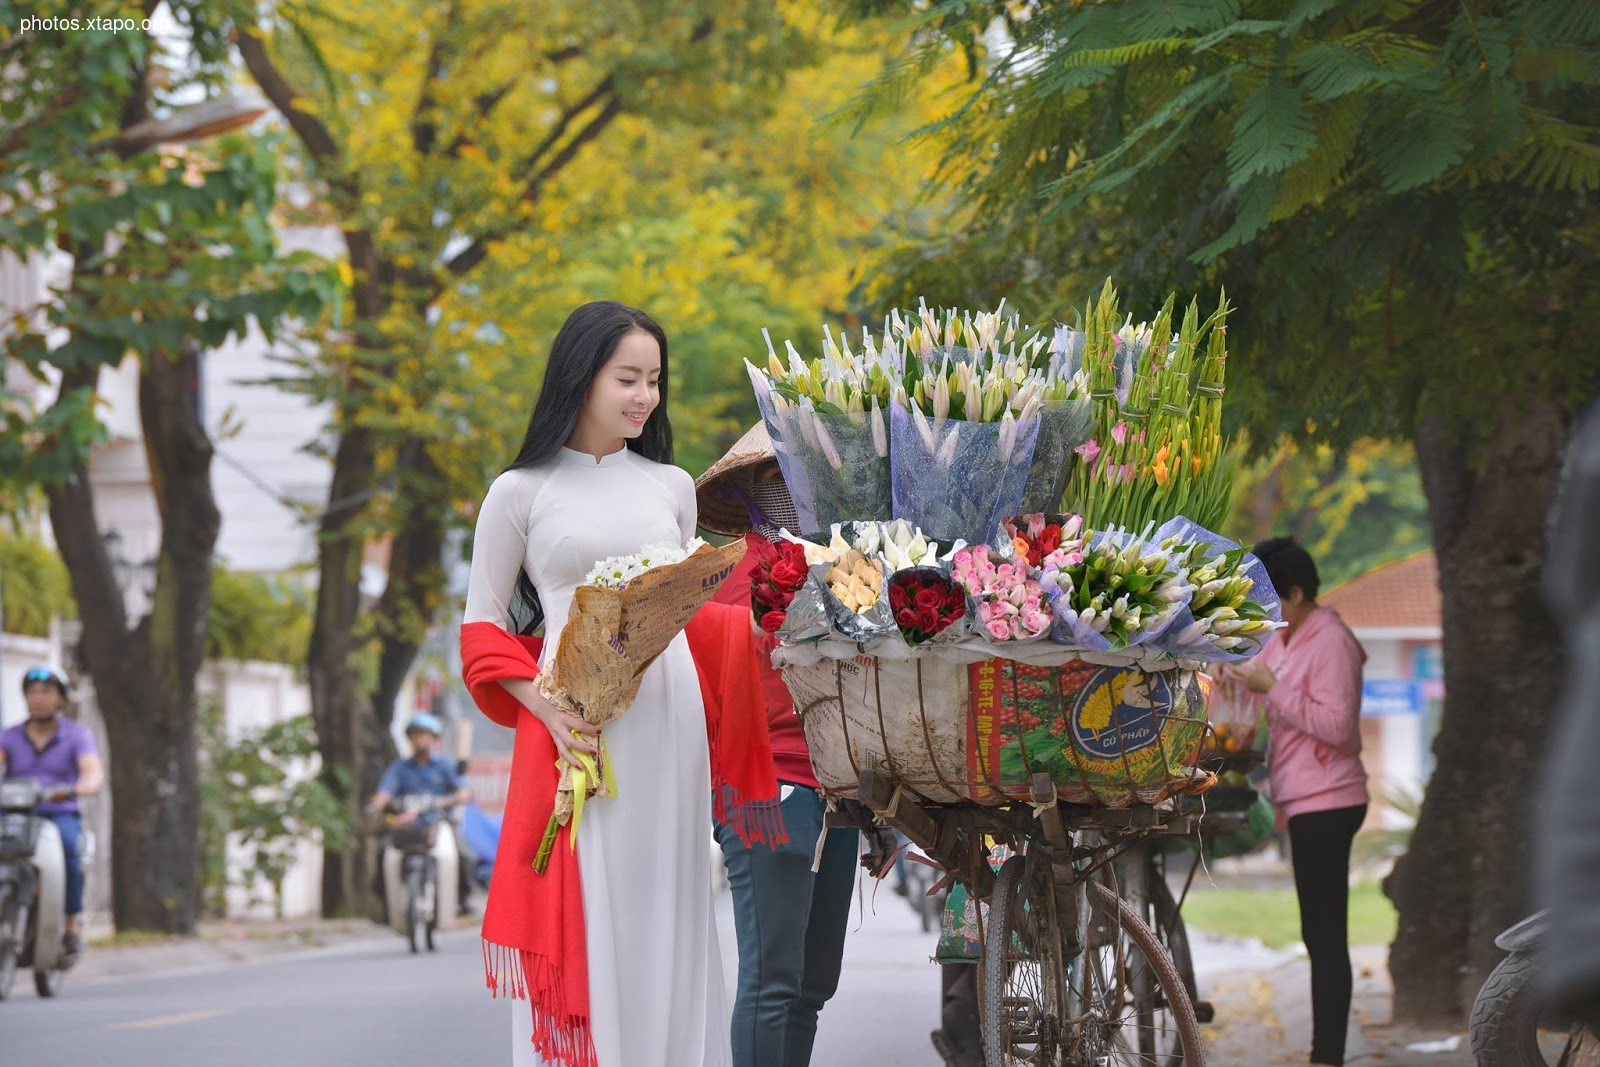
(1063, 426)
(836, 466)
(954, 479)
(1195, 639)
(1093, 629)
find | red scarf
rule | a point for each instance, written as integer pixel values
(533, 935)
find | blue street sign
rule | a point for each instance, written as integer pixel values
(1391, 696)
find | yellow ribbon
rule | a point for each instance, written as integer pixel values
(586, 770)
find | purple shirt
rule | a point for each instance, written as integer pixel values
(55, 764)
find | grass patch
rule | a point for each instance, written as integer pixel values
(1273, 915)
(129, 938)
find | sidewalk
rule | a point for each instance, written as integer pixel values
(1264, 1019)
(217, 943)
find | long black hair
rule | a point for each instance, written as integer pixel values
(1288, 565)
(586, 342)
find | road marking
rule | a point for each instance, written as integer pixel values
(169, 1020)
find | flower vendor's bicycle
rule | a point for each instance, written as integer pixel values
(972, 761)
(1230, 823)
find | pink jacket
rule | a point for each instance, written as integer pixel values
(1314, 716)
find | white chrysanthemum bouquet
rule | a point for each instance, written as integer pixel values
(615, 572)
(629, 609)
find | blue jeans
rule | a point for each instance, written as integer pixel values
(71, 827)
(790, 925)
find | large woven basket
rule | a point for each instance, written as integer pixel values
(954, 732)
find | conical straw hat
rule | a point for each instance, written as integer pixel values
(723, 491)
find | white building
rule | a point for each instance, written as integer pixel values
(268, 488)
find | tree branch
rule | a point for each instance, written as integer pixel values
(424, 128)
(484, 106)
(311, 130)
(478, 250)
(77, 535)
(559, 130)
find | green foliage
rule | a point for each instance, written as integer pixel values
(171, 244)
(34, 586)
(258, 790)
(1401, 198)
(254, 617)
(1354, 509)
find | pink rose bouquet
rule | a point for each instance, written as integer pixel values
(1011, 605)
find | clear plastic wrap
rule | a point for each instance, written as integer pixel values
(806, 618)
(874, 624)
(954, 479)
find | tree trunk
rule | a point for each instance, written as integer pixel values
(336, 703)
(145, 679)
(1465, 877)
(415, 591)
(353, 722)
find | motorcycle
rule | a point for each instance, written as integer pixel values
(419, 870)
(33, 888)
(1510, 1026)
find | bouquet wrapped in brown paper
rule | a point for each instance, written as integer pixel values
(622, 618)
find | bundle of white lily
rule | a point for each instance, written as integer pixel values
(827, 421)
(899, 544)
(1234, 608)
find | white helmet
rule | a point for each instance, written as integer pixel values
(44, 673)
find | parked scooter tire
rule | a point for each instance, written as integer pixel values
(1505, 1018)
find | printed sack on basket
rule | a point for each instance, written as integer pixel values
(1109, 736)
(950, 731)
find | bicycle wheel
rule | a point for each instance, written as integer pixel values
(1135, 1011)
(1022, 971)
(431, 908)
(13, 923)
(416, 919)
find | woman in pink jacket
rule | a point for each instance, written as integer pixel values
(1310, 676)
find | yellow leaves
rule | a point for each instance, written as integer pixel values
(472, 154)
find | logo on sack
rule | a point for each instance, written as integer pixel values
(1121, 712)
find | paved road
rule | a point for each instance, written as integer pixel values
(373, 1004)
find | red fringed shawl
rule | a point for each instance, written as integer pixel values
(533, 929)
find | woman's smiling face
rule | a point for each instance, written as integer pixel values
(625, 392)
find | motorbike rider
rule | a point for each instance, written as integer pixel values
(426, 772)
(59, 753)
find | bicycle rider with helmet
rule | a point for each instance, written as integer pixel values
(60, 754)
(425, 772)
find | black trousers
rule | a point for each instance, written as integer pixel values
(1319, 843)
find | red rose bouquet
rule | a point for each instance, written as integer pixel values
(925, 603)
(779, 573)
